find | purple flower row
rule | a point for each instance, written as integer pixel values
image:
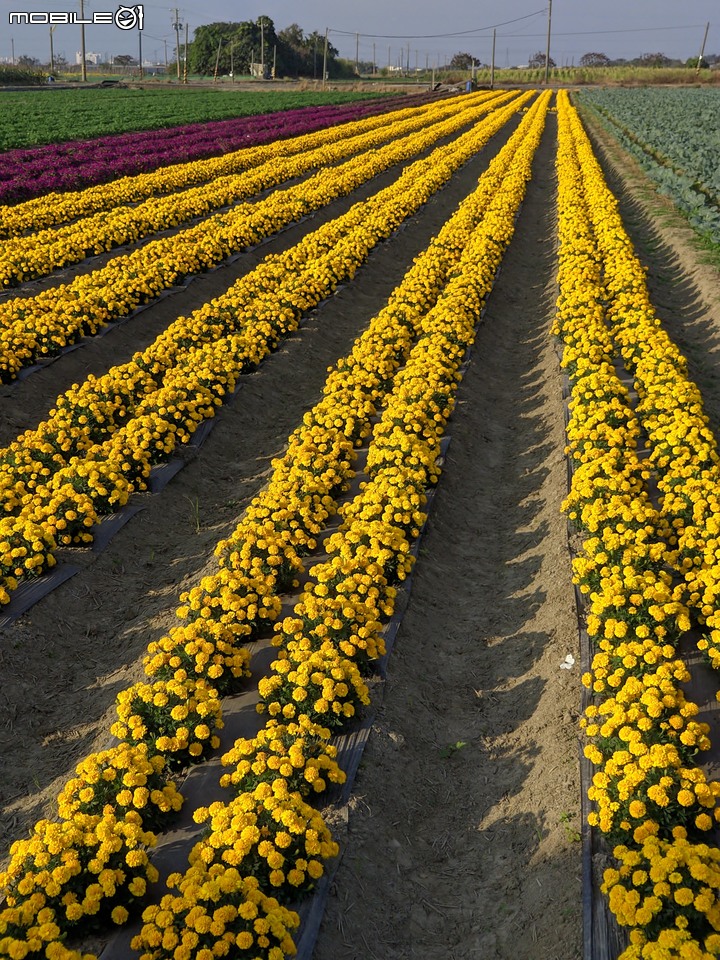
(73, 165)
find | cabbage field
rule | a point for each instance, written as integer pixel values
(675, 136)
(359, 545)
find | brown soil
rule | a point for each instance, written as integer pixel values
(463, 826)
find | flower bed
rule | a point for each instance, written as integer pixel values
(37, 327)
(652, 799)
(131, 211)
(55, 167)
(138, 414)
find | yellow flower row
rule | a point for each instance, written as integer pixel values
(34, 327)
(38, 254)
(91, 866)
(299, 754)
(643, 735)
(685, 875)
(126, 776)
(683, 449)
(56, 208)
(272, 833)
(216, 912)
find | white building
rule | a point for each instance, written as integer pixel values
(89, 57)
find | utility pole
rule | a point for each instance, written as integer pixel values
(357, 54)
(547, 50)
(492, 64)
(262, 48)
(140, 52)
(217, 61)
(12, 50)
(374, 61)
(83, 68)
(325, 53)
(702, 48)
(232, 62)
(185, 65)
(274, 66)
(166, 60)
(176, 26)
(52, 55)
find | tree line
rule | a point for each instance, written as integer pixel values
(235, 47)
(465, 61)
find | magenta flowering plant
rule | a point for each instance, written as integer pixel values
(57, 167)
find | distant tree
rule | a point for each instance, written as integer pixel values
(30, 63)
(302, 56)
(654, 60)
(316, 48)
(594, 60)
(463, 61)
(692, 62)
(293, 52)
(123, 60)
(538, 60)
(212, 38)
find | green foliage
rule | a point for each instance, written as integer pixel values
(697, 63)
(538, 60)
(654, 60)
(464, 61)
(221, 43)
(28, 118)
(674, 135)
(237, 45)
(21, 76)
(594, 60)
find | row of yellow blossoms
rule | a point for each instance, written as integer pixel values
(282, 524)
(35, 327)
(40, 253)
(56, 208)
(102, 438)
(651, 798)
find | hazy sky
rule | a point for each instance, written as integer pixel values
(431, 32)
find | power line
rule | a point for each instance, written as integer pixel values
(436, 36)
(592, 33)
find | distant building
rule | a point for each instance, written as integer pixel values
(93, 58)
